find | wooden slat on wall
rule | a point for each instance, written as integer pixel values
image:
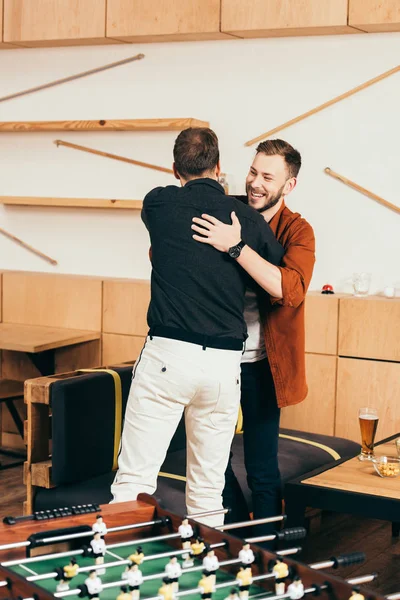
(125, 305)
(322, 314)
(54, 22)
(157, 21)
(258, 18)
(375, 15)
(52, 300)
(317, 413)
(369, 328)
(120, 348)
(371, 383)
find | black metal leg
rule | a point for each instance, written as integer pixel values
(43, 361)
(396, 529)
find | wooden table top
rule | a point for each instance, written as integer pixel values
(36, 338)
(360, 476)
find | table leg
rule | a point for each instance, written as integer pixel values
(43, 361)
(395, 529)
(295, 512)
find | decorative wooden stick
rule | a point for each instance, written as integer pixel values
(362, 190)
(50, 84)
(113, 156)
(323, 106)
(28, 247)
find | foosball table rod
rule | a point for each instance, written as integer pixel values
(393, 596)
(251, 522)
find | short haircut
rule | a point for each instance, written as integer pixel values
(281, 148)
(196, 152)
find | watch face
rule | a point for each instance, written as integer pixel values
(234, 252)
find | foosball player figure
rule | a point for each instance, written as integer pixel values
(206, 585)
(134, 578)
(233, 595)
(124, 594)
(93, 585)
(99, 549)
(65, 574)
(246, 555)
(196, 548)
(355, 595)
(281, 572)
(138, 556)
(185, 530)
(211, 562)
(244, 579)
(99, 526)
(296, 589)
(173, 571)
(166, 591)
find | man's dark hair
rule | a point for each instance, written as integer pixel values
(196, 152)
(291, 156)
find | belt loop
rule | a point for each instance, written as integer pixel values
(205, 342)
(151, 331)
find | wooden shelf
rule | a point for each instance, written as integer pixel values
(71, 202)
(102, 125)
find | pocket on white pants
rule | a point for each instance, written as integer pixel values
(227, 406)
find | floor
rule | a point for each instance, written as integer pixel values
(338, 534)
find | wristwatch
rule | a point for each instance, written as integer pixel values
(234, 251)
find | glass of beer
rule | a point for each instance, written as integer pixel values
(368, 418)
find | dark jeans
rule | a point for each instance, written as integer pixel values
(260, 441)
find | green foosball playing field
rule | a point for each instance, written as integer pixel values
(189, 580)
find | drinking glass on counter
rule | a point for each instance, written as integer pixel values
(368, 418)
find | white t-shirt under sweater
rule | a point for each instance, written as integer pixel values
(255, 345)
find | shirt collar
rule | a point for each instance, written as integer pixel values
(206, 181)
(274, 222)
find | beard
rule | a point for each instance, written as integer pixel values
(270, 199)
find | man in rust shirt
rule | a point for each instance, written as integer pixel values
(273, 364)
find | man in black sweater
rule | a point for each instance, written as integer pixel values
(191, 358)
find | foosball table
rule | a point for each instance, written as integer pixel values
(138, 550)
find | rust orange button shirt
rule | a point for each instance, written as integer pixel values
(283, 318)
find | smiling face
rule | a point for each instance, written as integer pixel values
(268, 181)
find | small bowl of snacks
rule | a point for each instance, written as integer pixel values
(387, 466)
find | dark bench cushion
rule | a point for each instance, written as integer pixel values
(298, 453)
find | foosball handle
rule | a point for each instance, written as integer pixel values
(291, 533)
(345, 560)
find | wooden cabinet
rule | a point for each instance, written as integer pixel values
(317, 412)
(375, 15)
(322, 314)
(54, 22)
(371, 383)
(369, 328)
(158, 20)
(266, 18)
(125, 305)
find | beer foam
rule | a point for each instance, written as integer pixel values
(369, 417)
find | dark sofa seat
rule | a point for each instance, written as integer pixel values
(299, 453)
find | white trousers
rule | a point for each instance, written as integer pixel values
(171, 377)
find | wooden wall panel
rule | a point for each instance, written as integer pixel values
(157, 20)
(369, 328)
(317, 413)
(322, 314)
(52, 300)
(125, 305)
(54, 22)
(3, 45)
(265, 18)
(375, 384)
(120, 348)
(375, 15)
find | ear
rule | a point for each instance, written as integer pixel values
(290, 185)
(218, 169)
(176, 174)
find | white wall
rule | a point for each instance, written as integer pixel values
(242, 88)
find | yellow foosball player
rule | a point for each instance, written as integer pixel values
(355, 595)
(244, 579)
(166, 591)
(65, 574)
(281, 572)
(124, 594)
(206, 585)
(138, 556)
